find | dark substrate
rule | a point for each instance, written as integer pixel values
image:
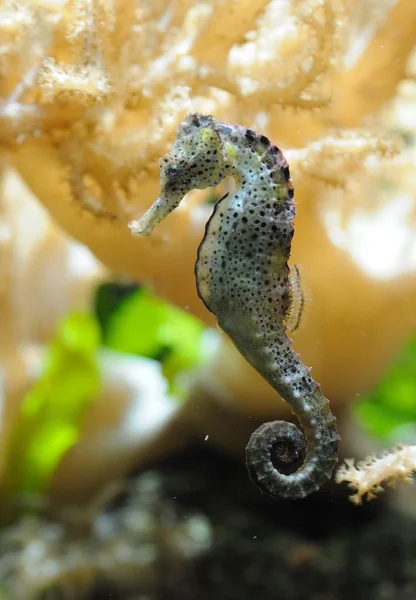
(320, 548)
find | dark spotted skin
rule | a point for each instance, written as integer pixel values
(243, 278)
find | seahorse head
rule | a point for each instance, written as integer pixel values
(198, 159)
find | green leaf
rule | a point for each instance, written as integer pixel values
(51, 412)
(391, 407)
(134, 326)
(148, 326)
(108, 297)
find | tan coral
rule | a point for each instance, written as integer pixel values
(93, 99)
(367, 476)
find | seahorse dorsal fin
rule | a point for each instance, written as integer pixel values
(294, 313)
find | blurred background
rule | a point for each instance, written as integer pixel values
(124, 411)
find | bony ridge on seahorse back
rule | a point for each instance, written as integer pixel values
(242, 277)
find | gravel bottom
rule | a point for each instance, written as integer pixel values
(195, 528)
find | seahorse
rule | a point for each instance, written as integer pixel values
(242, 276)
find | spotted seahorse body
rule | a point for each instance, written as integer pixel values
(243, 278)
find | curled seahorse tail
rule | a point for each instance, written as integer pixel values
(281, 464)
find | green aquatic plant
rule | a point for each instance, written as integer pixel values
(146, 325)
(127, 319)
(389, 411)
(51, 412)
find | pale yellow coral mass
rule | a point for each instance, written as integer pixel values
(91, 93)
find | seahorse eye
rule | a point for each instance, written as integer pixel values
(172, 171)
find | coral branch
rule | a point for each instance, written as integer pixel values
(332, 159)
(86, 83)
(374, 77)
(367, 476)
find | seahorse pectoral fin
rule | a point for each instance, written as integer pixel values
(293, 316)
